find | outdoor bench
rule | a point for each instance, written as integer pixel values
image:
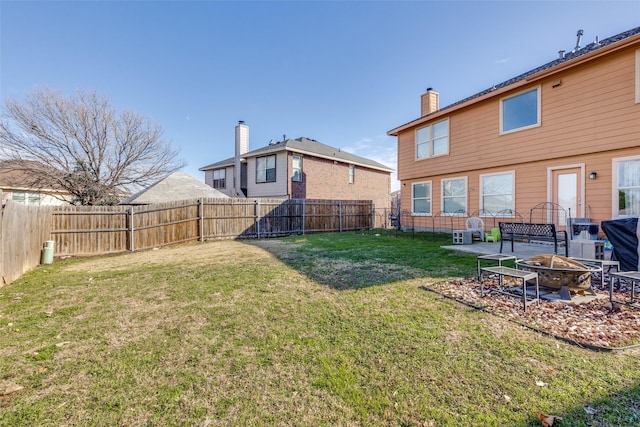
(634, 277)
(516, 274)
(529, 232)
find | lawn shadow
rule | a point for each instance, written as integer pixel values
(354, 260)
(619, 409)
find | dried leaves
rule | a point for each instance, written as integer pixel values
(547, 420)
(595, 323)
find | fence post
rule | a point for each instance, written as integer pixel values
(340, 213)
(132, 245)
(304, 211)
(256, 212)
(201, 219)
(373, 215)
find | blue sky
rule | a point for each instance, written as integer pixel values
(340, 72)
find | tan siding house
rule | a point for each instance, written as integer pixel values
(567, 132)
(28, 183)
(221, 180)
(276, 188)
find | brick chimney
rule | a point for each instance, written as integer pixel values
(429, 102)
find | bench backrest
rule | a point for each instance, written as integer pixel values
(527, 229)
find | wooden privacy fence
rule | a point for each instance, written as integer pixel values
(97, 230)
(23, 232)
(83, 230)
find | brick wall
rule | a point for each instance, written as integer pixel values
(328, 179)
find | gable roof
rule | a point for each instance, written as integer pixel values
(177, 186)
(309, 147)
(217, 165)
(25, 175)
(569, 59)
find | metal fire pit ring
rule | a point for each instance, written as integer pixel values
(560, 273)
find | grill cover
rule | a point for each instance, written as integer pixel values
(624, 236)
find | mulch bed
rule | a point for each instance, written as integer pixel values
(596, 324)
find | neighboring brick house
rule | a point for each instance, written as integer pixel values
(567, 132)
(19, 183)
(299, 168)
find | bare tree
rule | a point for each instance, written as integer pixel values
(83, 145)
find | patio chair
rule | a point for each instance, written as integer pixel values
(476, 226)
(493, 236)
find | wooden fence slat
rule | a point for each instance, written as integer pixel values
(122, 228)
(23, 233)
(98, 230)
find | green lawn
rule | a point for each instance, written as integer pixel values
(317, 330)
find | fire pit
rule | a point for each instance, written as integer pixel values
(561, 273)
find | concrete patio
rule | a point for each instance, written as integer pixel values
(520, 250)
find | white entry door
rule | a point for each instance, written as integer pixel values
(567, 191)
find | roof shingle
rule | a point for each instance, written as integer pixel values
(308, 146)
(570, 56)
(177, 186)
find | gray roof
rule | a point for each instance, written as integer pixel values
(220, 164)
(177, 186)
(311, 147)
(567, 57)
(549, 65)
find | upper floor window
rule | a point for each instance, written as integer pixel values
(352, 174)
(521, 111)
(454, 195)
(266, 169)
(627, 175)
(219, 178)
(496, 192)
(432, 140)
(421, 198)
(296, 166)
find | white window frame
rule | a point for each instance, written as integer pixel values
(466, 194)
(26, 198)
(352, 174)
(538, 110)
(637, 76)
(294, 169)
(275, 170)
(430, 142)
(19, 197)
(615, 203)
(429, 198)
(214, 179)
(513, 189)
